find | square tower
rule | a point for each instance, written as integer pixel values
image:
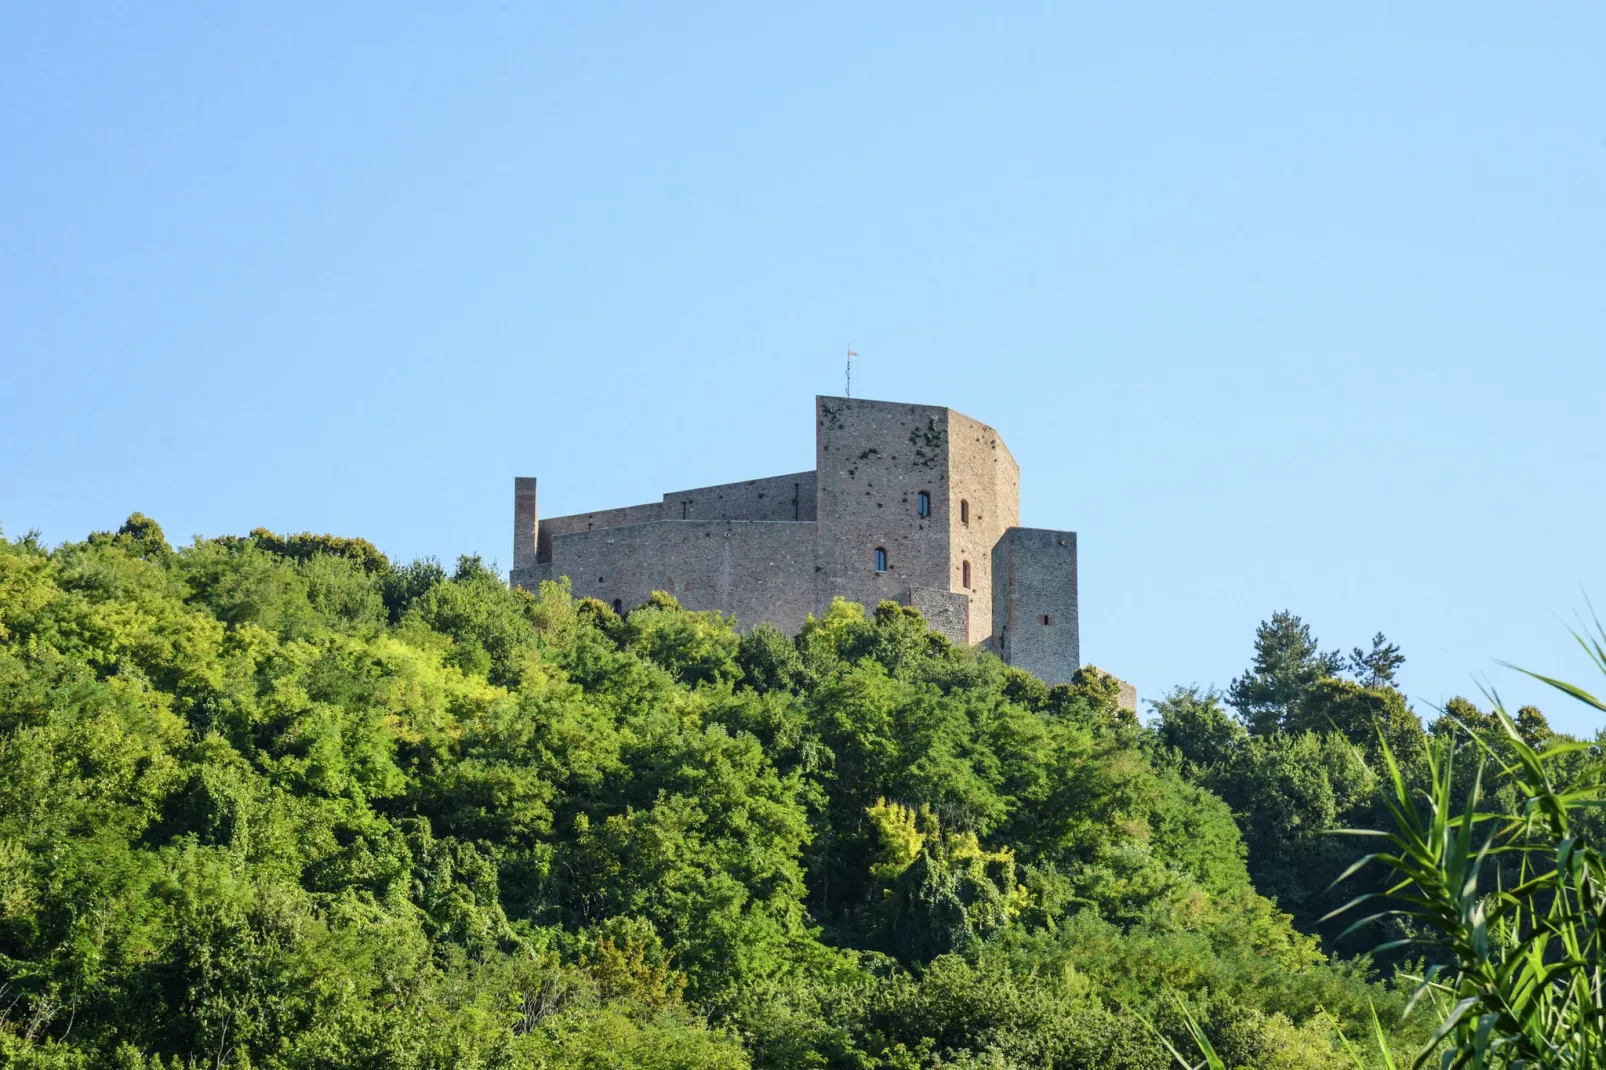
(1035, 612)
(910, 500)
(874, 460)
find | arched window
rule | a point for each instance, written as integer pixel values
(619, 606)
(964, 511)
(964, 574)
(880, 559)
(923, 504)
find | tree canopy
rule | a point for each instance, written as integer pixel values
(278, 802)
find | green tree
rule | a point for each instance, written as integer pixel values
(1194, 723)
(1376, 667)
(943, 889)
(272, 801)
(1291, 792)
(769, 660)
(1361, 714)
(1288, 663)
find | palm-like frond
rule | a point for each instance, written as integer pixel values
(1518, 973)
(1519, 967)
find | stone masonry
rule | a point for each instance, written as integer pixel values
(915, 504)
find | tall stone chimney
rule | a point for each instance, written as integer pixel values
(526, 519)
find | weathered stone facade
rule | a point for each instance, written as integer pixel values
(915, 504)
(1034, 595)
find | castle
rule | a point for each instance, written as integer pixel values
(915, 504)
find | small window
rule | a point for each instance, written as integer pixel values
(964, 511)
(1046, 619)
(964, 574)
(880, 559)
(619, 606)
(923, 504)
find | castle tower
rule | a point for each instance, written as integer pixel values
(1035, 621)
(921, 490)
(881, 476)
(984, 504)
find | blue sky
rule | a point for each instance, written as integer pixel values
(1276, 307)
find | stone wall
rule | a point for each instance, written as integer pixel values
(945, 612)
(873, 458)
(789, 497)
(1035, 623)
(1128, 699)
(602, 518)
(757, 570)
(530, 577)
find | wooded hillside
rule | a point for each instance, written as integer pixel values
(276, 802)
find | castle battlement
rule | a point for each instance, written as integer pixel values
(915, 504)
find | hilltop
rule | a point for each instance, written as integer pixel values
(278, 802)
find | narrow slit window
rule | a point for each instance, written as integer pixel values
(619, 606)
(923, 504)
(964, 574)
(1046, 619)
(964, 511)
(880, 559)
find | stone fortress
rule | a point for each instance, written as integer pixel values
(915, 504)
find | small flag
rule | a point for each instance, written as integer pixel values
(851, 353)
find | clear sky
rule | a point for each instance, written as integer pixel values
(1276, 307)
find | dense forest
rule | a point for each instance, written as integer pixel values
(278, 802)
